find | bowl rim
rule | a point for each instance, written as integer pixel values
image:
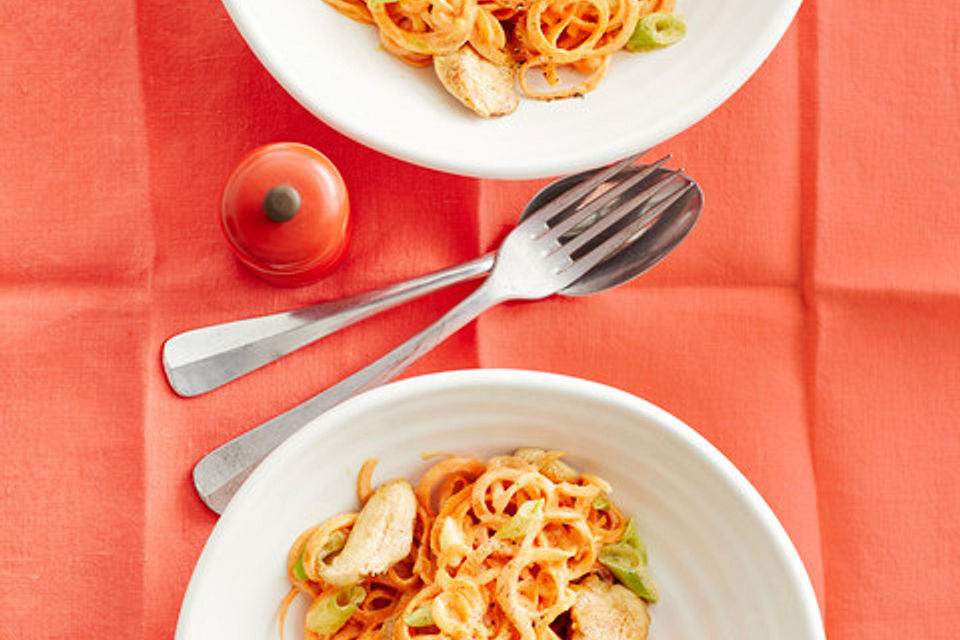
(656, 418)
(510, 167)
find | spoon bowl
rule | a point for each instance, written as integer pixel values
(645, 251)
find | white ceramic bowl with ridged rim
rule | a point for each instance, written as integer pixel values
(725, 567)
(334, 67)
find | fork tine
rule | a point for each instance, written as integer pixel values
(611, 245)
(567, 198)
(612, 217)
(601, 201)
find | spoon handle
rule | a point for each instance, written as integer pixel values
(204, 359)
(220, 473)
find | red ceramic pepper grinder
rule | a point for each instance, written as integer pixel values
(285, 213)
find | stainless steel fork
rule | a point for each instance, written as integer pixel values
(531, 263)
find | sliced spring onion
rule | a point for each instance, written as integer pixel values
(620, 554)
(601, 502)
(327, 615)
(626, 564)
(298, 571)
(656, 30)
(528, 517)
(419, 617)
(632, 538)
(333, 544)
(627, 560)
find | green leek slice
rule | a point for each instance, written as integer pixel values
(298, 571)
(656, 30)
(528, 517)
(327, 615)
(629, 569)
(601, 502)
(632, 538)
(627, 560)
(419, 617)
(333, 544)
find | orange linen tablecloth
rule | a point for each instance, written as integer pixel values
(809, 328)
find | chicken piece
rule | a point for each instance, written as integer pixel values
(605, 611)
(381, 536)
(556, 470)
(480, 85)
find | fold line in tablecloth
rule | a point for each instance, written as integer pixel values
(809, 149)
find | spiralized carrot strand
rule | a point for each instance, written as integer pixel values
(356, 9)
(428, 32)
(413, 59)
(284, 607)
(315, 546)
(652, 6)
(488, 37)
(587, 85)
(549, 50)
(467, 467)
(364, 478)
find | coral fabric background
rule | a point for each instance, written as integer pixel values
(809, 328)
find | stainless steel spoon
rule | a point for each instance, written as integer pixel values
(204, 359)
(581, 226)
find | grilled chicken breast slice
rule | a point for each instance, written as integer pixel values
(381, 537)
(484, 87)
(605, 611)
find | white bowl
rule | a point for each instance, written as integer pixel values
(334, 67)
(725, 567)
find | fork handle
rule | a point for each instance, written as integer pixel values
(221, 472)
(204, 359)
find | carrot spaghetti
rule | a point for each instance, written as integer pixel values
(522, 35)
(519, 547)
